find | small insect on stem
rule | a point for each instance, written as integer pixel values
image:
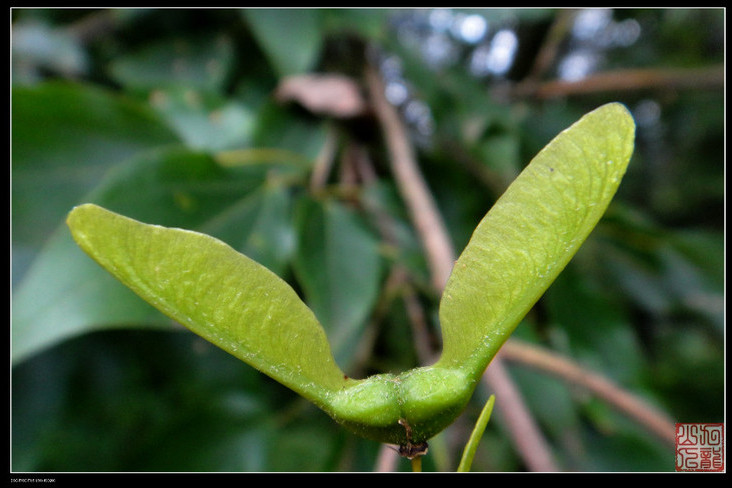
(409, 450)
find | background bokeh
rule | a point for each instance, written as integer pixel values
(174, 117)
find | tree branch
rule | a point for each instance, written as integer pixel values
(650, 418)
(412, 186)
(624, 80)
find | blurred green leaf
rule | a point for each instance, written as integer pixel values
(205, 121)
(338, 264)
(65, 295)
(594, 327)
(65, 137)
(279, 128)
(623, 450)
(202, 63)
(211, 442)
(290, 38)
(165, 400)
(303, 448)
(500, 153)
(382, 198)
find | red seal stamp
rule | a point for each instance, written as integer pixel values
(699, 447)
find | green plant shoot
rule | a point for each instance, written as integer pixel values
(469, 452)
(515, 253)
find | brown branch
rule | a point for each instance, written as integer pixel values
(653, 420)
(412, 186)
(625, 80)
(441, 256)
(551, 46)
(524, 430)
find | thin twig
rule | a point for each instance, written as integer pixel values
(650, 418)
(628, 79)
(547, 54)
(525, 432)
(441, 256)
(413, 187)
(324, 160)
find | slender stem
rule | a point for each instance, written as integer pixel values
(550, 49)
(476, 435)
(417, 464)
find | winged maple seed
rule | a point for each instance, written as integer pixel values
(515, 253)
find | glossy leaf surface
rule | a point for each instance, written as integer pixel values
(295, 52)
